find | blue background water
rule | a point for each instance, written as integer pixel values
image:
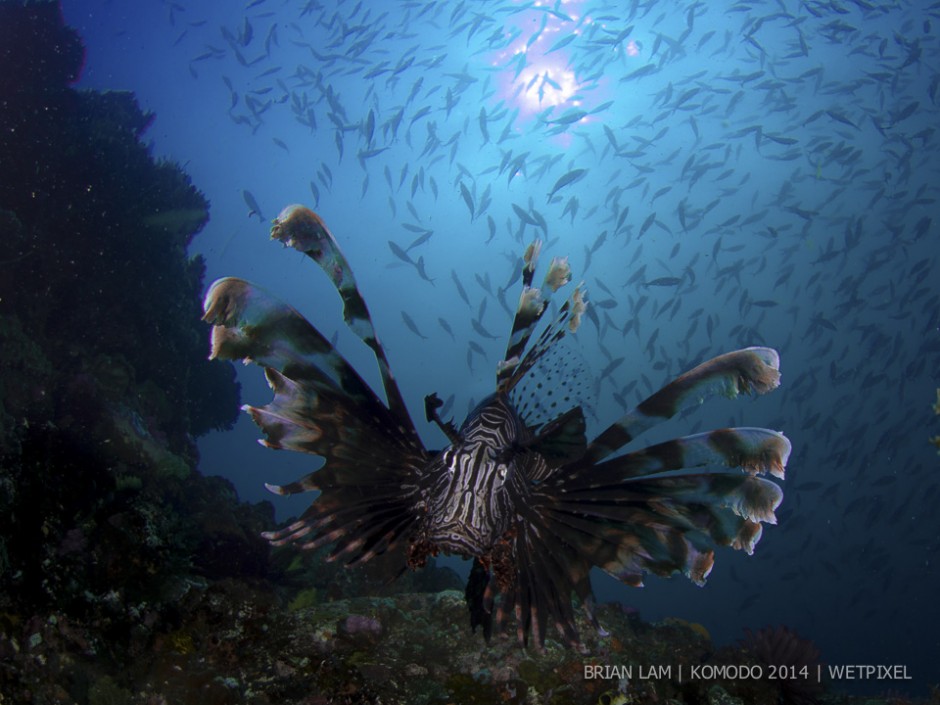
(783, 156)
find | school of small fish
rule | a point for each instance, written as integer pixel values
(756, 173)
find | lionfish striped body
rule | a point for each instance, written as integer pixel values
(473, 485)
(532, 502)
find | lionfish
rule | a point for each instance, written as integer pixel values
(534, 504)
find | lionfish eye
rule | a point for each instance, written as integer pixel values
(447, 457)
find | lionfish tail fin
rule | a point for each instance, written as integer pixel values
(479, 597)
(754, 369)
(300, 228)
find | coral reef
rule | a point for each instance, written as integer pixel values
(234, 643)
(103, 378)
(783, 649)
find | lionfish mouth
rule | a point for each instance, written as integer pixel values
(523, 492)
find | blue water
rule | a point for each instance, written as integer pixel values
(779, 158)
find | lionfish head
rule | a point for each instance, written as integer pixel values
(469, 487)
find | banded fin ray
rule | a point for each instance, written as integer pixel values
(532, 304)
(313, 383)
(359, 528)
(252, 325)
(548, 571)
(323, 407)
(741, 371)
(300, 228)
(663, 526)
(568, 318)
(755, 450)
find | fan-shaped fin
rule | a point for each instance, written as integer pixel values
(562, 440)
(628, 523)
(322, 406)
(569, 317)
(755, 450)
(742, 371)
(250, 324)
(532, 304)
(300, 228)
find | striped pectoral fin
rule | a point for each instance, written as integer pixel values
(562, 440)
(754, 450)
(678, 499)
(328, 423)
(532, 304)
(532, 596)
(740, 372)
(567, 321)
(302, 229)
(658, 550)
(662, 525)
(360, 520)
(251, 325)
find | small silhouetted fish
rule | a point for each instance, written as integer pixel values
(420, 240)
(524, 215)
(665, 281)
(906, 112)
(562, 43)
(569, 117)
(571, 177)
(779, 139)
(422, 272)
(839, 117)
(478, 327)
(446, 326)
(411, 325)
(399, 252)
(647, 223)
(642, 71)
(316, 194)
(460, 289)
(468, 199)
(825, 323)
(254, 208)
